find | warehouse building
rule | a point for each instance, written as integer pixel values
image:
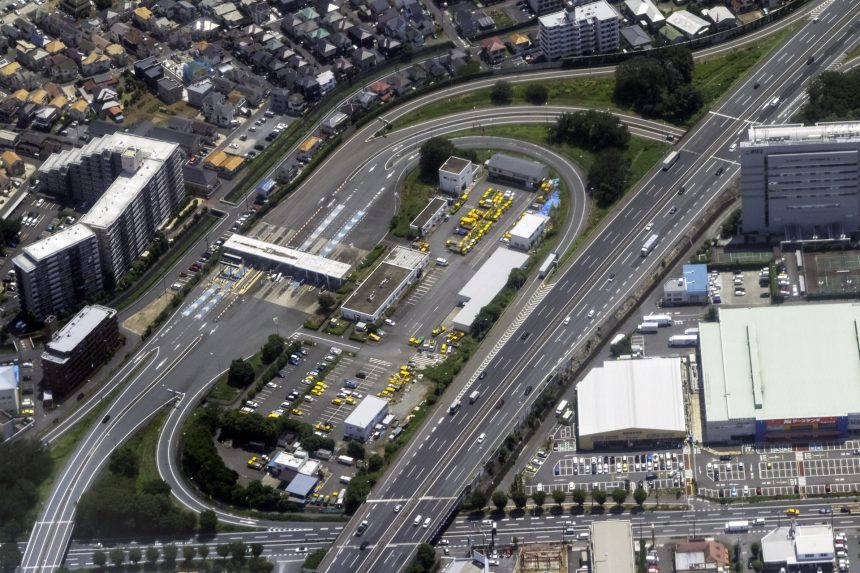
(360, 422)
(83, 344)
(631, 403)
(9, 398)
(385, 285)
(528, 231)
(297, 264)
(59, 272)
(486, 284)
(761, 373)
(523, 173)
(456, 175)
(430, 216)
(610, 547)
(690, 288)
(801, 183)
(798, 547)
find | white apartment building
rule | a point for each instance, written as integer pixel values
(59, 272)
(582, 30)
(133, 184)
(801, 182)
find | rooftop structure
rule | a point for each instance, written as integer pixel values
(486, 284)
(384, 285)
(360, 422)
(797, 133)
(522, 172)
(53, 244)
(797, 545)
(76, 330)
(758, 366)
(611, 547)
(690, 288)
(688, 23)
(527, 231)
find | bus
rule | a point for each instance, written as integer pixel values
(649, 244)
(562, 406)
(549, 263)
(454, 408)
(670, 160)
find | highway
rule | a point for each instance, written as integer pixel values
(445, 456)
(178, 360)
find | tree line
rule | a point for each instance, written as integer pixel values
(659, 84)
(24, 465)
(832, 97)
(118, 558)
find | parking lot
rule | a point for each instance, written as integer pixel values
(747, 288)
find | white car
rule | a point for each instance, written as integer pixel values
(732, 147)
(649, 226)
(397, 508)
(591, 313)
(566, 320)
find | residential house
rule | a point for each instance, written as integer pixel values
(741, 6)
(324, 51)
(45, 118)
(78, 110)
(493, 51)
(95, 63)
(635, 37)
(279, 100)
(62, 69)
(721, 17)
(198, 92)
(519, 43)
(698, 556)
(296, 104)
(308, 87)
(645, 12)
(217, 110)
(466, 22)
(382, 90)
(54, 47)
(116, 53)
(141, 16)
(169, 90)
(390, 46)
(361, 37)
(363, 59)
(399, 83)
(12, 162)
(688, 24)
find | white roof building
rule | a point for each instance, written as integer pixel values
(486, 284)
(360, 422)
(795, 545)
(646, 398)
(646, 10)
(688, 23)
(527, 231)
(9, 401)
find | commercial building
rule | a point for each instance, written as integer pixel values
(794, 546)
(690, 288)
(456, 175)
(9, 397)
(801, 183)
(301, 487)
(298, 264)
(647, 404)
(528, 231)
(360, 422)
(707, 555)
(523, 173)
(430, 216)
(541, 7)
(610, 547)
(387, 283)
(580, 31)
(761, 373)
(84, 343)
(132, 183)
(486, 284)
(56, 274)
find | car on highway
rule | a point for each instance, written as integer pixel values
(525, 335)
(106, 419)
(591, 313)
(426, 523)
(500, 403)
(566, 320)
(810, 60)
(417, 521)
(682, 190)
(528, 390)
(792, 511)
(482, 375)
(649, 226)
(824, 510)
(481, 438)
(673, 210)
(719, 172)
(733, 147)
(364, 545)
(361, 527)
(397, 508)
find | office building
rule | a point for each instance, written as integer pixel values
(132, 184)
(83, 344)
(523, 173)
(690, 288)
(647, 404)
(801, 183)
(455, 175)
(528, 231)
(579, 31)
(610, 547)
(9, 398)
(360, 422)
(761, 373)
(387, 283)
(58, 273)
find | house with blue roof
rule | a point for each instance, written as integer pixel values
(691, 288)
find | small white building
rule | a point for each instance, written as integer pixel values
(688, 24)
(430, 216)
(369, 412)
(528, 231)
(793, 546)
(455, 175)
(485, 284)
(9, 400)
(721, 16)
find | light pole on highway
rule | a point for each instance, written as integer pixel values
(277, 330)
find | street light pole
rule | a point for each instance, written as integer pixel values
(277, 330)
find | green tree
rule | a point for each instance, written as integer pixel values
(123, 462)
(619, 495)
(558, 496)
(135, 555)
(500, 500)
(203, 551)
(152, 554)
(223, 550)
(478, 498)
(375, 463)
(755, 548)
(434, 152)
(99, 558)
(272, 349)
(241, 374)
(607, 176)
(470, 68)
(188, 553)
(578, 496)
(9, 229)
(10, 557)
(598, 496)
(757, 565)
(517, 278)
(208, 522)
(257, 549)
(501, 93)
(117, 556)
(539, 497)
(355, 450)
(537, 94)
(832, 97)
(170, 552)
(519, 498)
(326, 301)
(622, 347)
(640, 495)
(237, 550)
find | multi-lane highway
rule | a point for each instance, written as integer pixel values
(446, 455)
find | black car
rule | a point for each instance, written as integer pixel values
(682, 190)
(756, 85)
(482, 375)
(361, 375)
(525, 335)
(364, 545)
(528, 390)
(810, 60)
(720, 171)
(673, 210)
(500, 403)
(106, 419)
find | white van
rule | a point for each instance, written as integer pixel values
(583, 536)
(481, 438)
(426, 523)
(440, 262)
(774, 102)
(417, 521)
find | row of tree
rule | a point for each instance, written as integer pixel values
(659, 84)
(832, 97)
(24, 465)
(478, 498)
(118, 557)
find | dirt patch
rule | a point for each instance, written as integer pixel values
(138, 322)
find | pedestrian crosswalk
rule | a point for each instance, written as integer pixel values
(430, 279)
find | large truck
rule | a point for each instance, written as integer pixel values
(566, 418)
(473, 396)
(562, 406)
(740, 526)
(648, 245)
(454, 408)
(684, 340)
(660, 319)
(648, 328)
(670, 160)
(549, 263)
(345, 460)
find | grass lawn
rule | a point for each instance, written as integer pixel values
(501, 18)
(223, 392)
(414, 196)
(144, 444)
(853, 52)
